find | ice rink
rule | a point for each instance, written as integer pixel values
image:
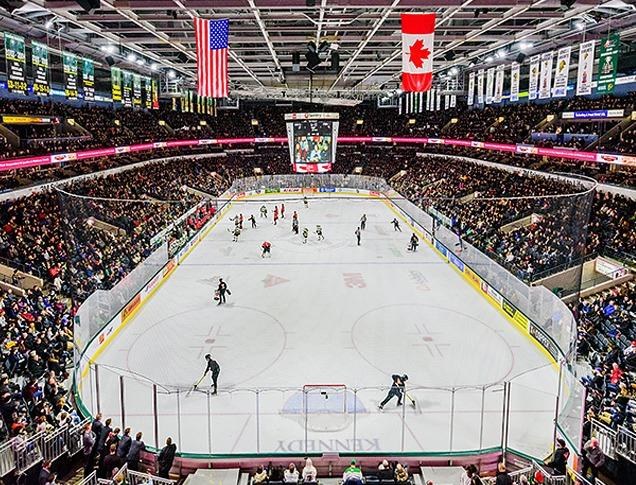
(325, 312)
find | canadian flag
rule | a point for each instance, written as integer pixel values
(417, 51)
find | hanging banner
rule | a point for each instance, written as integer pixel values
(546, 75)
(155, 95)
(514, 81)
(136, 90)
(70, 75)
(586, 67)
(16, 63)
(453, 101)
(147, 93)
(126, 88)
(115, 80)
(607, 63)
(471, 89)
(480, 86)
(560, 88)
(499, 84)
(446, 101)
(88, 79)
(438, 105)
(40, 69)
(533, 87)
(490, 85)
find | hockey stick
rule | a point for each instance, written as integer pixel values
(410, 398)
(194, 387)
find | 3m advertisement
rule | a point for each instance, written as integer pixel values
(40, 68)
(16, 63)
(70, 75)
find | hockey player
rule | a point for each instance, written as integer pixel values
(221, 290)
(264, 211)
(306, 202)
(212, 366)
(252, 220)
(319, 233)
(267, 246)
(295, 216)
(396, 225)
(295, 226)
(413, 243)
(305, 235)
(282, 211)
(236, 233)
(397, 389)
(358, 234)
(241, 222)
(363, 222)
(275, 214)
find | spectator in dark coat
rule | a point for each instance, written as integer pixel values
(593, 459)
(45, 473)
(124, 444)
(559, 461)
(88, 443)
(136, 447)
(166, 457)
(111, 461)
(502, 477)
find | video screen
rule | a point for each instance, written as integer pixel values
(313, 141)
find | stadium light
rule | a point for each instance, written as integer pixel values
(140, 62)
(490, 59)
(580, 25)
(48, 24)
(501, 54)
(454, 71)
(154, 66)
(172, 74)
(132, 57)
(525, 46)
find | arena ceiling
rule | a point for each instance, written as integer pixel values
(264, 34)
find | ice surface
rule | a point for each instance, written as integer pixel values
(324, 312)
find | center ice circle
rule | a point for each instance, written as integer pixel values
(172, 351)
(435, 346)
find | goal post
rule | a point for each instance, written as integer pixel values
(325, 398)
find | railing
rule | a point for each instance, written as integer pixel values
(130, 477)
(626, 444)
(531, 474)
(607, 438)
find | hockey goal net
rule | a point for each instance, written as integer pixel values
(325, 398)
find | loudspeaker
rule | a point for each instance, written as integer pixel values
(313, 60)
(296, 62)
(89, 6)
(110, 61)
(335, 60)
(182, 57)
(520, 58)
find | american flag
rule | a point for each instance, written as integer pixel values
(212, 50)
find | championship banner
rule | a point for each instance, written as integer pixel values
(533, 87)
(490, 85)
(499, 84)
(126, 89)
(514, 81)
(446, 101)
(16, 63)
(453, 101)
(115, 79)
(480, 86)
(88, 79)
(546, 75)
(147, 93)
(155, 95)
(560, 88)
(586, 66)
(40, 69)
(70, 75)
(438, 105)
(136, 90)
(471, 89)
(607, 63)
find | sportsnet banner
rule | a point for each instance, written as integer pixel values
(514, 81)
(560, 88)
(471, 89)
(499, 84)
(70, 75)
(533, 87)
(586, 65)
(490, 85)
(40, 69)
(480, 86)
(607, 63)
(417, 51)
(15, 56)
(546, 75)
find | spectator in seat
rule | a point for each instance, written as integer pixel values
(401, 475)
(291, 474)
(310, 474)
(275, 473)
(260, 476)
(559, 459)
(593, 459)
(502, 477)
(384, 471)
(352, 475)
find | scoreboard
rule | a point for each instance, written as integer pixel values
(312, 141)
